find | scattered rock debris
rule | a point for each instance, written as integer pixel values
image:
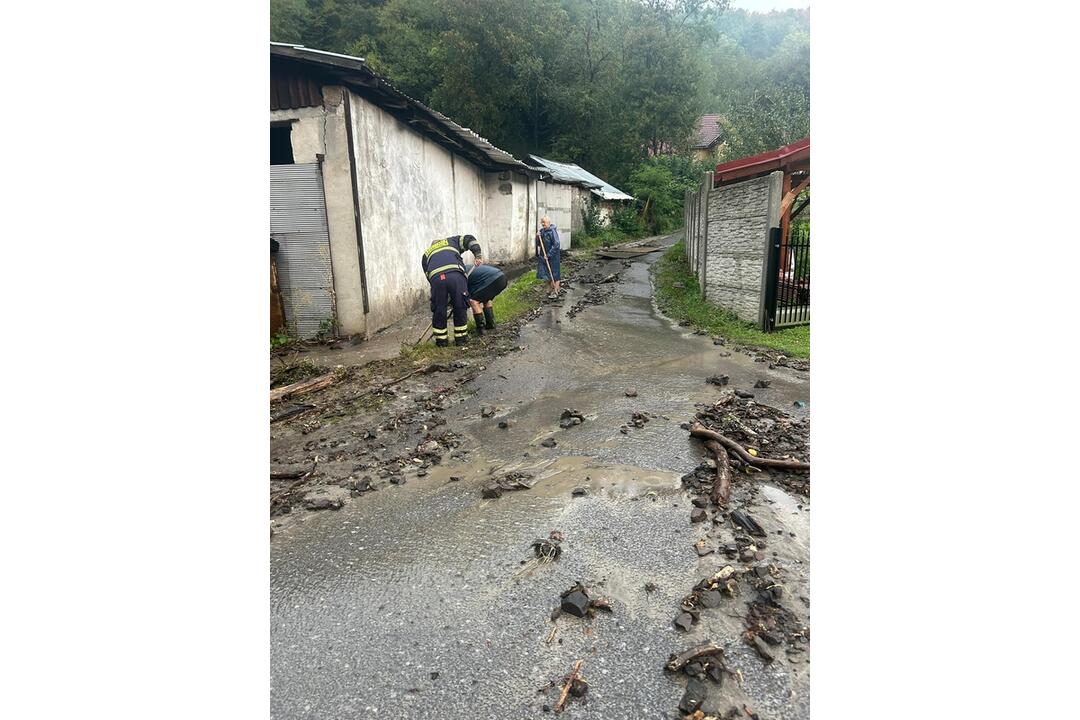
(548, 550)
(570, 418)
(510, 481)
(578, 602)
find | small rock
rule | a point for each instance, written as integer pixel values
(693, 697)
(762, 384)
(556, 613)
(491, 491)
(575, 602)
(718, 341)
(631, 392)
(799, 404)
(719, 380)
(650, 587)
(699, 502)
(715, 673)
(487, 411)
(684, 621)
(768, 637)
(698, 515)
(505, 424)
(684, 323)
(624, 430)
(725, 353)
(763, 650)
(455, 478)
(711, 599)
(743, 394)
(703, 550)
(435, 675)
(549, 443)
(579, 491)
(579, 687)
(761, 570)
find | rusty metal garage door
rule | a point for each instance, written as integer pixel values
(298, 223)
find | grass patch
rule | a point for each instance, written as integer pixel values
(520, 297)
(294, 372)
(686, 303)
(605, 237)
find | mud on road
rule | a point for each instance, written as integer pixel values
(418, 597)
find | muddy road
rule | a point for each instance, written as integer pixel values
(424, 599)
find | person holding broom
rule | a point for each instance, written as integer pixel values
(547, 254)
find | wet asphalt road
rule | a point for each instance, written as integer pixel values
(412, 602)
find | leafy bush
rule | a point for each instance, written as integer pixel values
(591, 219)
(627, 220)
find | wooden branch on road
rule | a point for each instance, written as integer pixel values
(721, 490)
(700, 431)
(303, 386)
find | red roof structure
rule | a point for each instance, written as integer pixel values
(790, 158)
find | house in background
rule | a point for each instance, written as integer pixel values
(585, 188)
(362, 179)
(708, 138)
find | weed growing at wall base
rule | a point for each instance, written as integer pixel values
(678, 296)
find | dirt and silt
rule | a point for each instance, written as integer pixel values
(410, 594)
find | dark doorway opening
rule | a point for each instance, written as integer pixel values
(281, 144)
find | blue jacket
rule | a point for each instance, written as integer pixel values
(550, 236)
(482, 276)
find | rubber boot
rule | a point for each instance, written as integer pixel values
(442, 342)
(489, 318)
(479, 322)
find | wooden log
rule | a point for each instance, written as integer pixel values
(304, 386)
(722, 484)
(700, 431)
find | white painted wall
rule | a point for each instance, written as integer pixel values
(413, 191)
(556, 200)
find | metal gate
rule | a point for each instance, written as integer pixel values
(298, 223)
(787, 288)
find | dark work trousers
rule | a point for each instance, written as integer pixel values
(450, 284)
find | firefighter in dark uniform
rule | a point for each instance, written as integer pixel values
(445, 272)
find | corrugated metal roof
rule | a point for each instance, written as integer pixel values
(354, 73)
(576, 175)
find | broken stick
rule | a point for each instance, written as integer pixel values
(700, 431)
(721, 490)
(681, 660)
(304, 386)
(569, 683)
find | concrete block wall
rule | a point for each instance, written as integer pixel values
(739, 217)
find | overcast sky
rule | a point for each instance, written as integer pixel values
(766, 5)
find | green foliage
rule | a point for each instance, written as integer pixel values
(679, 297)
(628, 221)
(660, 184)
(606, 237)
(591, 219)
(603, 83)
(280, 339)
